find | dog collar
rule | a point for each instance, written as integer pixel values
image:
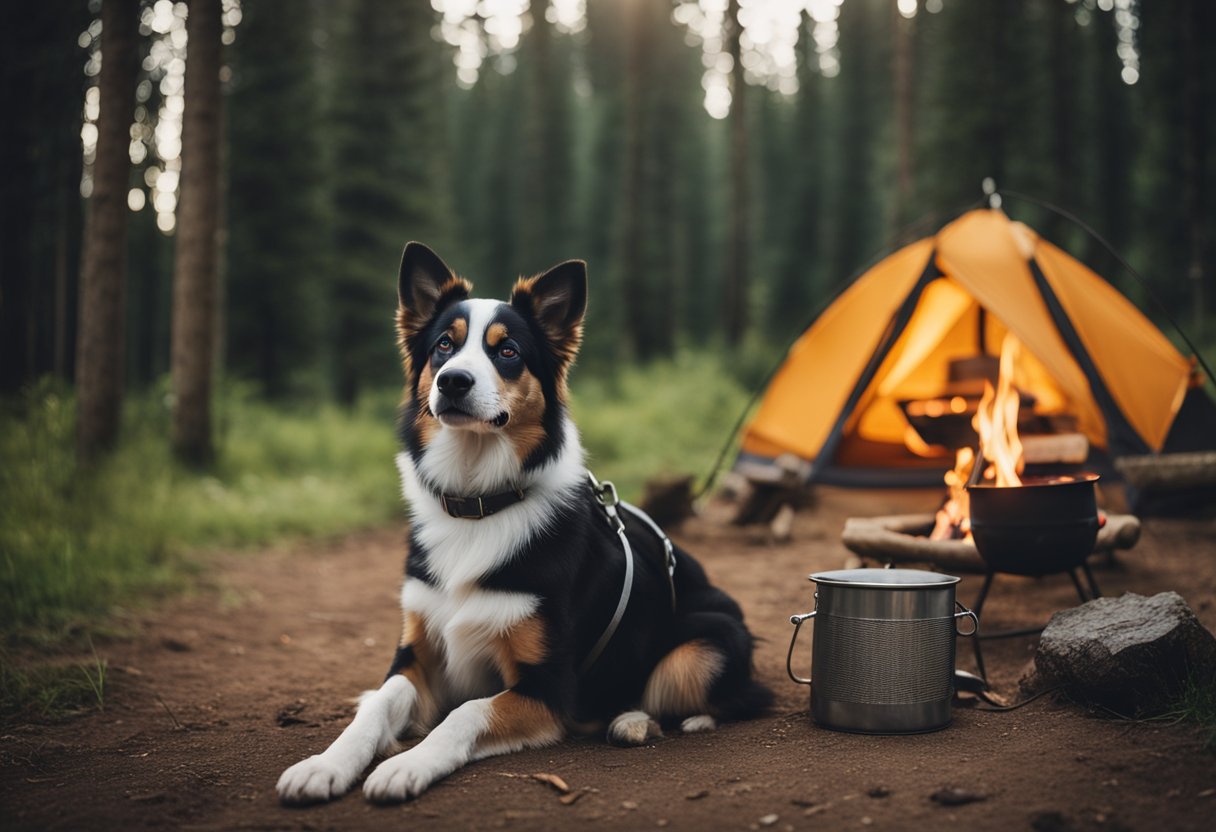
(475, 508)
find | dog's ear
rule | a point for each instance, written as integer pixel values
(425, 284)
(557, 301)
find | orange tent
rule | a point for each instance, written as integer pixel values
(892, 336)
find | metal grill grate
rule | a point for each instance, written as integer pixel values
(883, 662)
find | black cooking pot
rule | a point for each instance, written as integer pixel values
(1044, 526)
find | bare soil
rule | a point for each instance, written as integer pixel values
(221, 690)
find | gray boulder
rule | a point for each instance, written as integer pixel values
(1133, 654)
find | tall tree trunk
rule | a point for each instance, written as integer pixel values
(633, 277)
(902, 69)
(1193, 162)
(1062, 66)
(99, 351)
(734, 281)
(195, 261)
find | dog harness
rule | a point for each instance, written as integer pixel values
(606, 496)
(476, 508)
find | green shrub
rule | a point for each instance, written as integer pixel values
(663, 419)
(74, 541)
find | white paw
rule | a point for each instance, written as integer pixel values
(633, 728)
(316, 779)
(698, 724)
(405, 776)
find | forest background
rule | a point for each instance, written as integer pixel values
(724, 166)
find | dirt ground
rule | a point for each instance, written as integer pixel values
(220, 691)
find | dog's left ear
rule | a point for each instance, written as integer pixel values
(557, 301)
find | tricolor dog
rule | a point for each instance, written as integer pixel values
(515, 574)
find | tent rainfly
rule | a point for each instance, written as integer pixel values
(893, 335)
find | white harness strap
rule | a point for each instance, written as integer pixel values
(606, 496)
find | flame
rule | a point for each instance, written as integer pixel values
(996, 422)
(954, 518)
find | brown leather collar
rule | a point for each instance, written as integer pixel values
(475, 508)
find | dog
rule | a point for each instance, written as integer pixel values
(514, 570)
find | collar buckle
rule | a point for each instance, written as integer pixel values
(477, 508)
(464, 508)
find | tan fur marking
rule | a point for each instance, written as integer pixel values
(495, 334)
(679, 685)
(525, 402)
(413, 634)
(425, 423)
(525, 643)
(459, 330)
(516, 721)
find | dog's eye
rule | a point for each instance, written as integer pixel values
(444, 346)
(507, 352)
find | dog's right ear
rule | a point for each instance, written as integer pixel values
(425, 284)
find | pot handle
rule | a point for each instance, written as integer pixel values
(966, 613)
(796, 620)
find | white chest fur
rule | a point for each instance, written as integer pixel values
(461, 551)
(465, 624)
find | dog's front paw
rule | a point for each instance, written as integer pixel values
(315, 780)
(405, 776)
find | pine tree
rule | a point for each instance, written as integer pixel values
(195, 266)
(41, 88)
(390, 185)
(737, 256)
(99, 356)
(277, 258)
(797, 287)
(546, 187)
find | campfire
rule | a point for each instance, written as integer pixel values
(1026, 511)
(996, 424)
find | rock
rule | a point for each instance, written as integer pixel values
(879, 792)
(1132, 654)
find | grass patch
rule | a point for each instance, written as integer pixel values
(50, 691)
(1197, 706)
(666, 418)
(74, 541)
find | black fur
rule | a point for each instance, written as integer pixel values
(576, 565)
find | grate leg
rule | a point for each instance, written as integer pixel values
(1094, 591)
(1076, 582)
(975, 640)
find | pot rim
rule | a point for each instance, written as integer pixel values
(884, 578)
(1041, 481)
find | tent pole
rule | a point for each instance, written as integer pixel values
(1126, 265)
(898, 324)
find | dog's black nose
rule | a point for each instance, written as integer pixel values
(455, 383)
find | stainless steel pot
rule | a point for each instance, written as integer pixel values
(883, 650)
